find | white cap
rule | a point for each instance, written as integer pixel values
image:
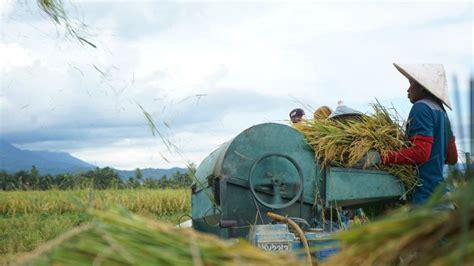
(431, 76)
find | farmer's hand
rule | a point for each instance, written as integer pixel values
(370, 159)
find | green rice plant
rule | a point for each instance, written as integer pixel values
(29, 218)
(343, 143)
(25, 232)
(121, 238)
(144, 201)
(55, 10)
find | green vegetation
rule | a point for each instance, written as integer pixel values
(99, 178)
(96, 235)
(418, 236)
(55, 10)
(29, 218)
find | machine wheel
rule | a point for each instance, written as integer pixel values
(276, 183)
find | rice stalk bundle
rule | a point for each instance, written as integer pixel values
(121, 238)
(345, 142)
(420, 236)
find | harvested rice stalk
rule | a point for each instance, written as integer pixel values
(419, 236)
(122, 238)
(344, 142)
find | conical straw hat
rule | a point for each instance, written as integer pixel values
(344, 111)
(431, 76)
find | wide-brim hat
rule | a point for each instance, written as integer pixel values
(344, 111)
(431, 76)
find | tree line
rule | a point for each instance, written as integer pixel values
(98, 178)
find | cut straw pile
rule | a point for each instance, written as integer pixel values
(121, 238)
(344, 142)
(419, 236)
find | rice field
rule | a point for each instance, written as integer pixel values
(107, 235)
(29, 218)
(417, 236)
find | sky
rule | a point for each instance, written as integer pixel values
(206, 71)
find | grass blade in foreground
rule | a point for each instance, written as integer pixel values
(420, 236)
(121, 238)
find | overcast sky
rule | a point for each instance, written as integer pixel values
(205, 71)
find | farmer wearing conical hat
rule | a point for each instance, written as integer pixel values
(344, 112)
(428, 129)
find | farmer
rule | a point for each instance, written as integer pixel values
(428, 129)
(296, 115)
(344, 112)
(322, 112)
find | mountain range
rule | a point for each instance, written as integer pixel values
(13, 159)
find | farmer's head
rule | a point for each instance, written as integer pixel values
(296, 115)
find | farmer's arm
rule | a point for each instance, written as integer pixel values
(452, 152)
(420, 134)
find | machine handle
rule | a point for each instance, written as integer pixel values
(298, 230)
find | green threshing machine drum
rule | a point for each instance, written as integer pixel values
(270, 167)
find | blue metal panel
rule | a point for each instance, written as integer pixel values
(271, 237)
(277, 238)
(321, 245)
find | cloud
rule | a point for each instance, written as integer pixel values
(209, 121)
(6, 8)
(301, 46)
(207, 71)
(14, 56)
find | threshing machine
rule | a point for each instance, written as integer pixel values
(270, 167)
